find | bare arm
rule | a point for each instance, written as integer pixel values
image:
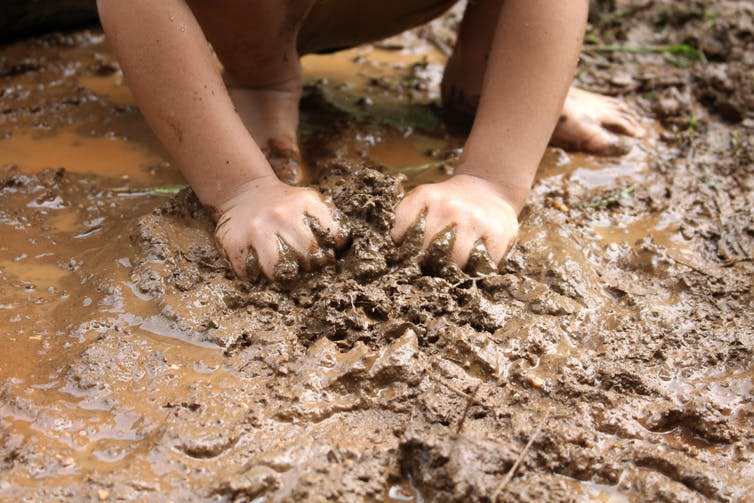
(531, 63)
(177, 85)
(175, 80)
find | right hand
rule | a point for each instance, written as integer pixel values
(265, 211)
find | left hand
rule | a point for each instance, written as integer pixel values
(474, 206)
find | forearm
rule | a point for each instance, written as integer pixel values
(171, 71)
(531, 64)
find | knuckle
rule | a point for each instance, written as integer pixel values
(421, 192)
(230, 241)
(277, 212)
(311, 196)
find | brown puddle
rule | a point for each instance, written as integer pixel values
(134, 367)
(90, 155)
(109, 87)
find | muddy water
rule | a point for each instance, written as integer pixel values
(617, 344)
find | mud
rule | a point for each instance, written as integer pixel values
(610, 360)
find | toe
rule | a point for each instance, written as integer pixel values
(635, 128)
(602, 142)
(285, 159)
(287, 170)
(622, 121)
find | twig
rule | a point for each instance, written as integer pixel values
(693, 267)
(452, 388)
(512, 471)
(466, 410)
(734, 261)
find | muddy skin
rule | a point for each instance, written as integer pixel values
(286, 162)
(610, 358)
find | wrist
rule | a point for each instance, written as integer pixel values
(223, 196)
(514, 194)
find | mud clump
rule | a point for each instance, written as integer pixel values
(369, 294)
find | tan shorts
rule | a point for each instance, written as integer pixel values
(332, 25)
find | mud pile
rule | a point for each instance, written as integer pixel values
(379, 369)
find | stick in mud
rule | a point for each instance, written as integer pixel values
(512, 471)
(466, 410)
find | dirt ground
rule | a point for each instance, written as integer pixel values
(611, 360)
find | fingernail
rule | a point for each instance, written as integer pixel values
(437, 254)
(287, 268)
(480, 262)
(253, 272)
(318, 257)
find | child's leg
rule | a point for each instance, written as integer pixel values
(339, 24)
(259, 43)
(256, 43)
(587, 119)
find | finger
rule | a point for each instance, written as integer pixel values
(288, 170)
(480, 261)
(495, 246)
(285, 159)
(462, 245)
(438, 231)
(508, 249)
(408, 214)
(235, 248)
(287, 266)
(328, 226)
(438, 249)
(300, 239)
(268, 254)
(252, 269)
(320, 257)
(324, 253)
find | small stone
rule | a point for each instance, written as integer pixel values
(365, 101)
(622, 80)
(103, 494)
(536, 382)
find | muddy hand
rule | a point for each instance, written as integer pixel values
(278, 228)
(471, 206)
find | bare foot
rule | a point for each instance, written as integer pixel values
(271, 116)
(589, 120)
(262, 71)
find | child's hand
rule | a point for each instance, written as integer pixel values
(476, 209)
(265, 211)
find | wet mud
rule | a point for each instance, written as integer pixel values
(609, 360)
